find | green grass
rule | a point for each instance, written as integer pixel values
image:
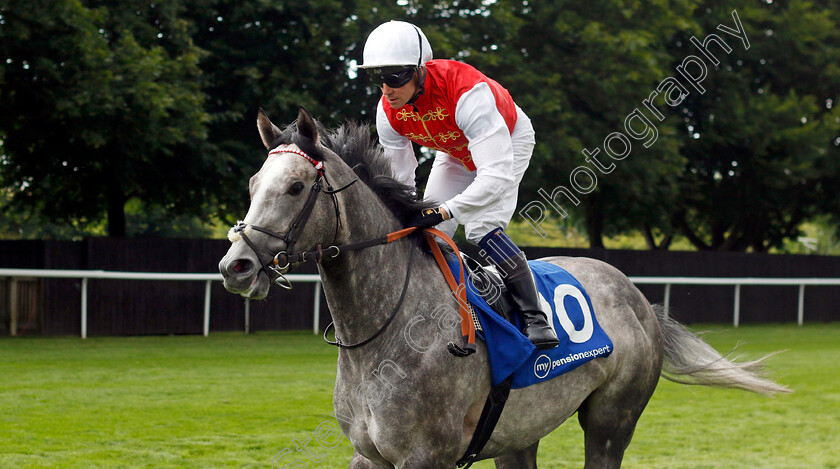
(235, 401)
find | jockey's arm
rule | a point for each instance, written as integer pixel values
(492, 153)
(398, 149)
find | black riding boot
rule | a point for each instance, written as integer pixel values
(523, 292)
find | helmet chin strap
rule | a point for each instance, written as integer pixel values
(421, 70)
(421, 86)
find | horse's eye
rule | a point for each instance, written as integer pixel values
(296, 188)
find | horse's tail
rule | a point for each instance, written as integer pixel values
(690, 360)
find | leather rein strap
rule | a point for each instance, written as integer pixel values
(458, 288)
(338, 343)
(389, 238)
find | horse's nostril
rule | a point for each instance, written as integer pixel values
(241, 265)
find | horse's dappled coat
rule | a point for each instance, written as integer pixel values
(403, 408)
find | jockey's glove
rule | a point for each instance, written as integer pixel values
(428, 217)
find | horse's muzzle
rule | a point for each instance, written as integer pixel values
(242, 275)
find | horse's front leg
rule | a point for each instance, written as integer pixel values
(524, 459)
(424, 462)
(433, 455)
(361, 462)
(416, 461)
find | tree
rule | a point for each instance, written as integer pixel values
(761, 148)
(277, 56)
(101, 103)
(578, 71)
(109, 102)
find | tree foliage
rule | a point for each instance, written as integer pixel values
(277, 56)
(760, 143)
(100, 104)
(108, 102)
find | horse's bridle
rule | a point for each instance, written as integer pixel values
(290, 237)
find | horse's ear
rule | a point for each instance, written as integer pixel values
(306, 125)
(268, 131)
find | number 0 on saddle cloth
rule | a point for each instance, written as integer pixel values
(564, 300)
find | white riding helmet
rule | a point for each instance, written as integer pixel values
(396, 43)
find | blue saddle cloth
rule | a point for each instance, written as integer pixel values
(581, 337)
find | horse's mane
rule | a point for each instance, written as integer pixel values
(354, 144)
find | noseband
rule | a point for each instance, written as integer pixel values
(242, 229)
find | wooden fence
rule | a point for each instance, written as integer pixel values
(134, 307)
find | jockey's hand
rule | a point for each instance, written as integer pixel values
(428, 217)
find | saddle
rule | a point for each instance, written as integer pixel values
(487, 282)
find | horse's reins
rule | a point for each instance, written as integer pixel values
(290, 238)
(458, 289)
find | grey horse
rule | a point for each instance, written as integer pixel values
(402, 399)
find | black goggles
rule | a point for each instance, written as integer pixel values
(394, 77)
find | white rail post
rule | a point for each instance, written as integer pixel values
(207, 286)
(316, 311)
(800, 314)
(736, 316)
(14, 311)
(667, 299)
(84, 307)
(247, 315)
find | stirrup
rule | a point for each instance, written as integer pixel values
(465, 351)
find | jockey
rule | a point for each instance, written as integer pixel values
(483, 142)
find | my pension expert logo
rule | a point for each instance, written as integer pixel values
(542, 366)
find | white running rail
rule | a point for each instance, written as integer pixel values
(86, 275)
(737, 282)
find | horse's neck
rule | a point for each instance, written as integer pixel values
(363, 287)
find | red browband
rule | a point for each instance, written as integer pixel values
(319, 165)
